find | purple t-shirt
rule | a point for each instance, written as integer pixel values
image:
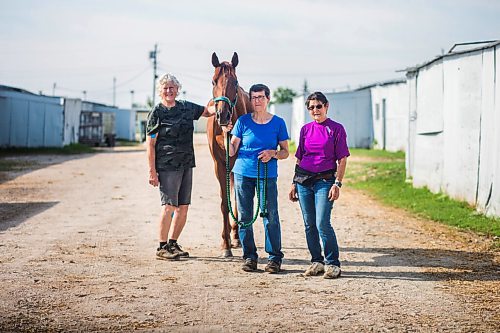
(321, 146)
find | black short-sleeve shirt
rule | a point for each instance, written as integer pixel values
(174, 128)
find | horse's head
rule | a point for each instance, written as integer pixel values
(225, 90)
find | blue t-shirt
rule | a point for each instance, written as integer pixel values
(254, 139)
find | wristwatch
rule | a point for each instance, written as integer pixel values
(338, 183)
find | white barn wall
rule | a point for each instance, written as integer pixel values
(200, 125)
(462, 111)
(494, 204)
(353, 110)
(428, 155)
(412, 124)
(488, 194)
(396, 116)
(454, 127)
(285, 111)
(299, 117)
(72, 109)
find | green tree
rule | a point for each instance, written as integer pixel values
(149, 102)
(283, 95)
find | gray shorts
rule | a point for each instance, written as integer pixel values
(175, 187)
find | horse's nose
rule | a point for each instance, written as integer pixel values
(217, 115)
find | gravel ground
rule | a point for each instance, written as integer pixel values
(77, 253)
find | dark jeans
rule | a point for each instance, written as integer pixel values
(316, 211)
(245, 191)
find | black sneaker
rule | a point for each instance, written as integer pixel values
(273, 267)
(250, 265)
(166, 253)
(176, 248)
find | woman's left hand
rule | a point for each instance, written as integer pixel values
(334, 193)
(266, 155)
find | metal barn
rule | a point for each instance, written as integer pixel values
(454, 126)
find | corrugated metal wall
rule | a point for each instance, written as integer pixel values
(454, 140)
(125, 124)
(29, 120)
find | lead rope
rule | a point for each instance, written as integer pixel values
(228, 191)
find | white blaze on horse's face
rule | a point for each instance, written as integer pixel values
(259, 101)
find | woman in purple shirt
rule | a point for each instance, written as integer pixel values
(321, 162)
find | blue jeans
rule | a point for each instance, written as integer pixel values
(245, 191)
(316, 211)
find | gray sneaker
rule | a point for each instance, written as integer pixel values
(273, 267)
(331, 272)
(165, 253)
(316, 268)
(250, 265)
(176, 248)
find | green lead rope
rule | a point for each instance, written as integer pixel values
(228, 191)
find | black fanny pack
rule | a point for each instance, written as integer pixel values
(306, 178)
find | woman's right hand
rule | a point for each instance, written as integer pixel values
(153, 179)
(292, 195)
(228, 127)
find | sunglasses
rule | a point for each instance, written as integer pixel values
(317, 107)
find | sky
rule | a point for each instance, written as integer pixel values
(333, 45)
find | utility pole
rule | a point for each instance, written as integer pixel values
(153, 56)
(84, 95)
(114, 91)
(54, 89)
(132, 99)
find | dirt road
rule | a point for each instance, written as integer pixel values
(78, 238)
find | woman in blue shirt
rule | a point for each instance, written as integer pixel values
(258, 135)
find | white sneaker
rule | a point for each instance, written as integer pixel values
(315, 269)
(331, 272)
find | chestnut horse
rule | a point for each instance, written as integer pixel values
(231, 102)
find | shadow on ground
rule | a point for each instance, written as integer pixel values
(435, 264)
(15, 213)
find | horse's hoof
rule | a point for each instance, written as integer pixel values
(227, 253)
(235, 243)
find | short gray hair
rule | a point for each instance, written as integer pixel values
(168, 78)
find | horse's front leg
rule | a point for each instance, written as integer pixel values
(226, 226)
(235, 237)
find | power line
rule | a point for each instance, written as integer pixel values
(133, 78)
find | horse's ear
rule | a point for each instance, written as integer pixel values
(234, 60)
(215, 60)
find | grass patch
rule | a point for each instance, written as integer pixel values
(16, 165)
(292, 147)
(384, 177)
(123, 143)
(377, 154)
(74, 148)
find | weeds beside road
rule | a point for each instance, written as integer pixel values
(382, 174)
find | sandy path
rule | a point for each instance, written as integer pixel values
(77, 242)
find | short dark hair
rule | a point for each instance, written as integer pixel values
(260, 87)
(316, 96)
